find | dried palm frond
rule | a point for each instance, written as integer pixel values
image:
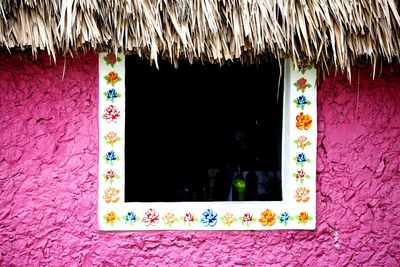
(322, 32)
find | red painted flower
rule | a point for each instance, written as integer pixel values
(247, 218)
(150, 217)
(303, 121)
(302, 83)
(111, 113)
(110, 175)
(189, 217)
(111, 58)
(301, 194)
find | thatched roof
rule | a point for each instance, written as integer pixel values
(326, 32)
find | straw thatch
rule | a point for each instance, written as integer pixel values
(323, 32)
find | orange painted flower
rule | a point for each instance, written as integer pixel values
(303, 121)
(112, 78)
(301, 194)
(110, 195)
(111, 217)
(228, 218)
(303, 217)
(267, 218)
(111, 138)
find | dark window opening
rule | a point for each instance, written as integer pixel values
(189, 131)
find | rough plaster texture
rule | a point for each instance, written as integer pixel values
(48, 180)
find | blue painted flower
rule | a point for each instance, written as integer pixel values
(301, 159)
(209, 218)
(112, 94)
(130, 217)
(301, 101)
(111, 156)
(284, 218)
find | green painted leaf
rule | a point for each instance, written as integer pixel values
(118, 95)
(309, 85)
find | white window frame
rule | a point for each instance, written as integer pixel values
(298, 191)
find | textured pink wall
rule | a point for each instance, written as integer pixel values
(48, 180)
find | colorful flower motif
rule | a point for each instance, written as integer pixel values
(150, 217)
(300, 175)
(303, 217)
(111, 59)
(112, 94)
(169, 218)
(284, 218)
(247, 219)
(301, 159)
(111, 217)
(301, 194)
(189, 218)
(109, 176)
(110, 195)
(130, 218)
(301, 84)
(209, 218)
(112, 78)
(111, 113)
(302, 142)
(301, 101)
(267, 218)
(111, 138)
(110, 157)
(303, 121)
(228, 219)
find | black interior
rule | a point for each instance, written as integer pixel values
(188, 130)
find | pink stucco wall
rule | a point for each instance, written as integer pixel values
(48, 180)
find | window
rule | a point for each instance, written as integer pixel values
(190, 194)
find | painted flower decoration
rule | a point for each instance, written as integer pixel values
(112, 94)
(301, 101)
(112, 78)
(301, 159)
(228, 219)
(267, 218)
(111, 195)
(169, 218)
(130, 217)
(301, 194)
(110, 176)
(111, 138)
(189, 218)
(303, 121)
(209, 218)
(301, 84)
(284, 218)
(247, 219)
(302, 142)
(111, 59)
(110, 157)
(303, 217)
(150, 217)
(300, 175)
(111, 218)
(111, 113)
